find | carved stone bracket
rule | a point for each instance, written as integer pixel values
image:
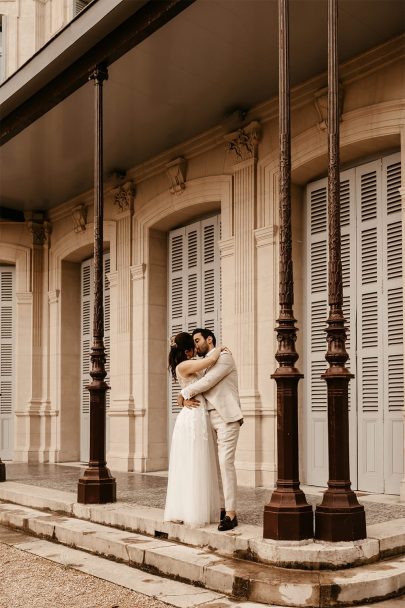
(124, 196)
(321, 105)
(243, 143)
(38, 226)
(79, 217)
(176, 172)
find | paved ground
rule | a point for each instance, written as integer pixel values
(28, 581)
(150, 490)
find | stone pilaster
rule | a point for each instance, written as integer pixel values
(242, 144)
(121, 412)
(37, 443)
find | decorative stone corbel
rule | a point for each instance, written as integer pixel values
(176, 172)
(321, 105)
(79, 216)
(243, 143)
(124, 196)
(38, 226)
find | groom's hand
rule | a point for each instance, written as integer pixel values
(190, 403)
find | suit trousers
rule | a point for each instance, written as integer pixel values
(226, 437)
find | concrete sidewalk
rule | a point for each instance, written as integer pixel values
(149, 490)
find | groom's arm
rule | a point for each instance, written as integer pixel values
(222, 368)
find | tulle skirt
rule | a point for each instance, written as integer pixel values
(192, 489)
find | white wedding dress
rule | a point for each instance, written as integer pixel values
(192, 488)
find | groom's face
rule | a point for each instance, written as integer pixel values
(201, 344)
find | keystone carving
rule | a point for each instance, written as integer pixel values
(79, 216)
(124, 196)
(321, 105)
(176, 172)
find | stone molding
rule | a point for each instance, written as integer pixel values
(124, 196)
(79, 217)
(53, 296)
(227, 247)
(138, 272)
(24, 298)
(243, 143)
(265, 236)
(176, 172)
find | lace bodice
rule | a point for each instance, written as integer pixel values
(185, 381)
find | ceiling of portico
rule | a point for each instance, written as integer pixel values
(216, 56)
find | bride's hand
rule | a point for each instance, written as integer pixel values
(225, 349)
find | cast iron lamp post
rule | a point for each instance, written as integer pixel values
(288, 516)
(97, 484)
(339, 517)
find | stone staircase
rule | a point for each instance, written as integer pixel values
(238, 563)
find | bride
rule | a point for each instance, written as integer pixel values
(192, 490)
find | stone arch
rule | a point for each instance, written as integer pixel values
(149, 276)
(66, 255)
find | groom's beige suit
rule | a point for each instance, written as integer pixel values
(220, 388)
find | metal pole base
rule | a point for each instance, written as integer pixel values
(335, 522)
(2, 471)
(96, 487)
(288, 517)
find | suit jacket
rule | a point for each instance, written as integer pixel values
(220, 388)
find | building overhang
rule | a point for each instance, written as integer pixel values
(176, 69)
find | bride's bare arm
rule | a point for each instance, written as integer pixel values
(191, 366)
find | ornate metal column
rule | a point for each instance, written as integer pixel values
(97, 485)
(340, 516)
(288, 516)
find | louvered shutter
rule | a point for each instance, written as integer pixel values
(211, 275)
(316, 315)
(393, 326)
(79, 5)
(87, 307)
(194, 286)
(370, 358)
(7, 340)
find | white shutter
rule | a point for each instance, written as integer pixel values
(210, 269)
(316, 315)
(87, 307)
(393, 326)
(369, 328)
(194, 286)
(7, 339)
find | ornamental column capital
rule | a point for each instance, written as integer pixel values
(243, 143)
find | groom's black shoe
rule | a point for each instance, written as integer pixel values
(222, 514)
(227, 523)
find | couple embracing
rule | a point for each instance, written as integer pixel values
(202, 478)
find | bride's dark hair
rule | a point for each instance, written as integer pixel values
(178, 346)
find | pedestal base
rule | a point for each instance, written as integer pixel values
(340, 525)
(97, 486)
(288, 517)
(2, 471)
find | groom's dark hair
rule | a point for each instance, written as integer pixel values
(205, 333)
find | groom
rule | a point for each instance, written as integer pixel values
(220, 388)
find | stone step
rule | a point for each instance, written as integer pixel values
(206, 568)
(244, 542)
